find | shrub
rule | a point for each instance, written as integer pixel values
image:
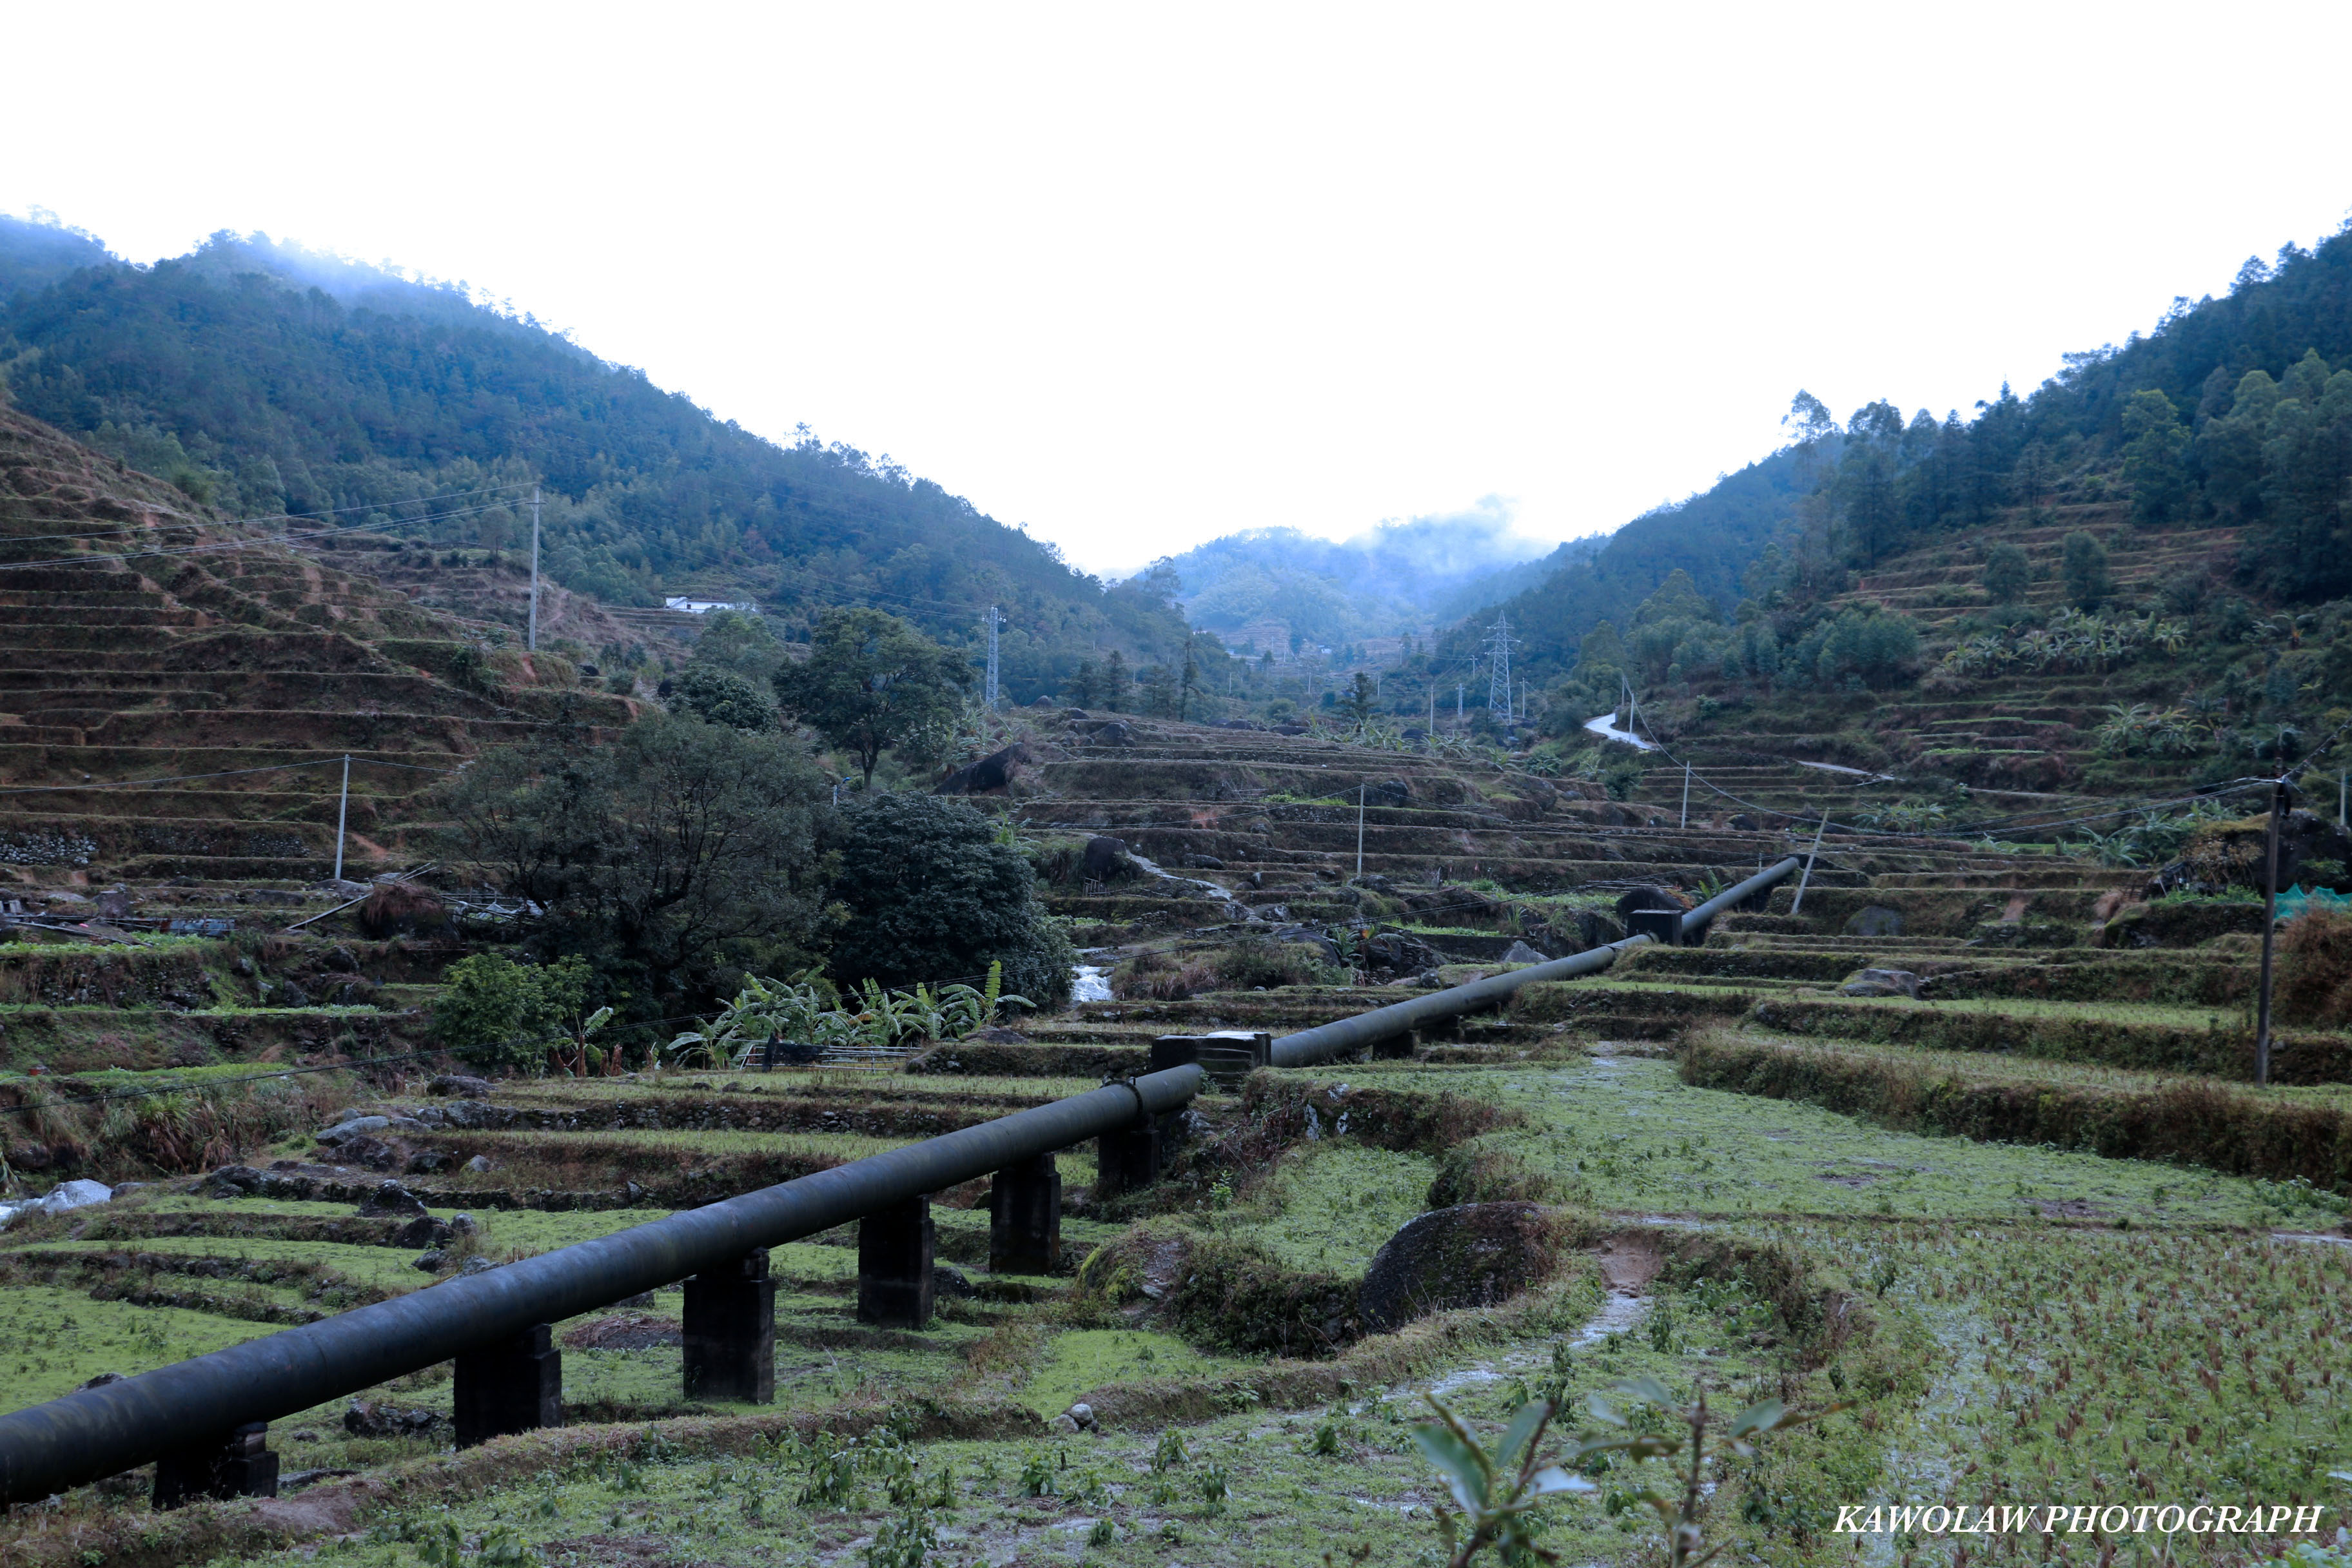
(2084, 567)
(928, 893)
(2007, 573)
(504, 1016)
(2315, 969)
(722, 697)
(401, 909)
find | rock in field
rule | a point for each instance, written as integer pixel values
(1881, 983)
(1472, 1254)
(68, 1195)
(390, 1201)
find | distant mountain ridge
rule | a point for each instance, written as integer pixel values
(1400, 576)
(264, 379)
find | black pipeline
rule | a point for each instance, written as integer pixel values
(105, 1431)
(1326, 1041)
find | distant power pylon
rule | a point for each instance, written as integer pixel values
(1498, 668)
(994, 621)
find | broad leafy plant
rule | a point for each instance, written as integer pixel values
(1499, 1489)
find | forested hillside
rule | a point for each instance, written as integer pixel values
(2233, 411)
(265, 380)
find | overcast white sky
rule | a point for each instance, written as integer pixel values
(1139, 276)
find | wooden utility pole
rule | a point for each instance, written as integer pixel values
(2269, 933)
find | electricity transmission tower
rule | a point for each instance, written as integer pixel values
(994, 621)
(1498, 668)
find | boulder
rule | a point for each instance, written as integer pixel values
(1597, 929)
(1876, 920)
(365, 1419)
(390, 1201)
(372, 1153)
(992, 775)
(427, 1161)
(479, 1165)
(1117, 732)
(1308, 937)
(233, 1182)
(351, 1127)
(1881, 983)
(1387, 791)
(1473, 1255)
(1204, 863)
(422, 1231)
(947, 1280)
(1521, 952)
(998, 1035)
(1106, 859)
(459, 1084)
(66, 1196)
(1395, 950)
(476, 1264)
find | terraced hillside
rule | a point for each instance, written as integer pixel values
(2016, 737)
(134, 648)
(1968, 1102)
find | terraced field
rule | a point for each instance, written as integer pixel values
(2014, 1219)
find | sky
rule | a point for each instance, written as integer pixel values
(1135, 276)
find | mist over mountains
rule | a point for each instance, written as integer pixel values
(1403, 575)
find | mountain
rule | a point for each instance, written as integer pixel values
(2232, 411)
(1387, 581)
(262, 378)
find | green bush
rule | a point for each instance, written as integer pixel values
(504, 1016)
(927, 893)
(722, 697)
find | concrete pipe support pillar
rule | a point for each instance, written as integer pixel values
(515, 1385)
(1025, 1217)
(239, 1465)
(731, 1333)
(895, 1250)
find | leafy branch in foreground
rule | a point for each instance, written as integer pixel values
(1498, 1490)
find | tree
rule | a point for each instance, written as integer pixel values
(2084, 564)
(741, 642)
(871, 681)
(2007, 574)
(718, 695)
(500, 1016)
(1084, 684)
(1188, 684)
(1114, 694)
(932, 895)
(674, 858)
(2156, 446)
(1358, 703)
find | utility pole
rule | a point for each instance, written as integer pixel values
(2339, 800)
(994, 621)
(343, 814)
(1798, 902)
(1685, 794)
(532, 638)
(1359, 830)
(2270, 931)
(1457, 705)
